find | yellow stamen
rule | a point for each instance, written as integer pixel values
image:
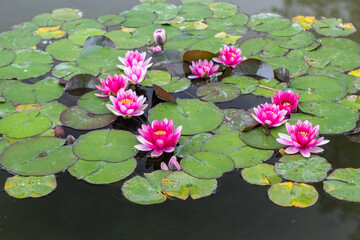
(126, 100)
(286, 104)
(160, 132)
(304, 134)
(269, 112)
(233, 54)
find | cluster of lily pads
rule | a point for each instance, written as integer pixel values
(50, 67)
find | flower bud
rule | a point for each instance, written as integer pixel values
(160, 36)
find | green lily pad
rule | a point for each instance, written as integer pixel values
(157, 77)
(318, 88)
(248, 156)
(45, 20)
(145, 190)
(26, 26)
(76, 25)
(301, 40)
(64, 50)
(235, 32)
(66, 14)
(18, 39)
(24, 124)
(291, 30)
(28, 63)
(244, 83)
(267, 87)
(111, 19)
(6, 108)
(252, 46)
(182, 43)
(223, 9)
(24, 187)
(261, 174)
(235, 120)
(164, 11)
(217, 24)
(6, 57)
(343, 184)
(207, 164)
(195, 11)
(296, 67)
(349, 80)
(81, 35)
(352, 101)
(94, 104)
(340, 43)
(333, 27)
(101, 172)
(177, 85)
(288, 194)
(192, 114)
(106, 145)
(53, 111)
(43, 91)
(124, 40)
(50, 32)
(300, 169)
(191, 145)
(273, 49)
(260, 138)
(226, 143)
(196, 1)
(80, 119)
(38, 156)
(67, 70)
(211, 45)
(181, 185)
(147, 32)
(218, 92)
(132, 18)
(267, 22)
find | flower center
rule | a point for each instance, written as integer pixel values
(304, 134)
(126, 100)
(160, 132)
(233, 54)
(286, 104)
(269, 112)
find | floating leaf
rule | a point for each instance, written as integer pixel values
(66, 14)
(67, 70)
(156, 77)
(50, 32)
(132, 18)
(226, 143)
(124, 40)
(236, 120)
(80, 84)
(76, 25)
(267, 22)
(163, 94)
(45, 20)
(218, 92)
(6, 57)
(261, 174)
(340, 43)
(211, 44)
(282, 74)
(111, 19)
(195, 55)
(333, 27)
(260, 138)
(6, 108)
(177, 85)
(191, 145)
(94, 104)
(18, 39)
(194, 25)
(267, 87)
(303, 39)
(305, 21)
(182, 43)
(53, 111)
(223, 9)
(64, 50)
(24, 187)
(81, 35)
(97, 41)
(355, 72)
(296, 67)
(291, 30)
(195, 11)
(248, 156)
(227, 38)
(244, 83)
(288, 194)
(253, 67)
(163, 11)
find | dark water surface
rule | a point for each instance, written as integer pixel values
(238, 210)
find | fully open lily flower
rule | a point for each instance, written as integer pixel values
(286, 101)
(112, 85)
(127, 104)
(173, 165)
(302, 138)
(230, 56)
(159, 137)
(160, 36)
(135, 74)
(203, 69)
(134, 58)
(269, 115)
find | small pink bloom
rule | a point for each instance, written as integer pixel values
(159, 137)
(160, 36)
(156, 49)
(230, 56)
(302, 138)
(127, 104)
(203, 69)
(269, 115)
(112, 85)
(173, 165)
(286, 101)
(134, 58)
(135, 74)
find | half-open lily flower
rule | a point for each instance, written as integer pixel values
(203, 69)
(173, 165)
(302, 138)
(135, 74)
(159, 137)
(112, 85)
(160, 36)
(286, 101)
(230, 56)
(134, 58)
(127, 104)
(269, 115)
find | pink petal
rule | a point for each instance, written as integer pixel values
(305, 152)
(292, 150)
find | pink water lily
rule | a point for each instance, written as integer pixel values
(127, 104)
(230, 57)
(286, 101)
(173, 165)
(302, 138)
(134, 58)
(156, 49)
(160, 36)
(203, 69)
(135, 74)
(269, 115)
(159, 137)
(112, 85)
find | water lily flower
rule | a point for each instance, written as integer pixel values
(286, 101)
(230, 56)
(112, 85)
(156, 49)
(302, 138)
(203, 69)
(173, 165)
(134, 58)
(127, 104)
(159, 137)
(160, 36)
(269, 115)
(135, 74)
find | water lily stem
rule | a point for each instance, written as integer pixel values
(269, 88)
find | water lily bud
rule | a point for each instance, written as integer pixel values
(160, 36)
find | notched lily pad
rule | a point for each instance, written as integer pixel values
(66, 14)
(333, 27)
(94, 104)
(156, 77)
(260, 138)
(261, 174)
(191, 145)
(218, 92)
(236, 119)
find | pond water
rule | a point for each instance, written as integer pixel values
(238, 210)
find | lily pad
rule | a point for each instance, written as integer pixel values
(218, 92)
(267, 22)
(45, 20)
(267, 87)
(349, 80)
(236, 120)
(261, 174)
(53, 111)
(81, 84)
(191, 145)
(124, 40)
(192, 114)
(163, 11)
(291, 30)
(260, 138)
(66, 14)
(177, 85)
(157, 77)
(253, 67)
(244, 83)
(288, 194)
(211, 45)
(223, 9)
(101, 172)
(300, 169)
(340, 43)
(50, 32)
(80, 119)
(296, 67)
(76, 25)
(38, 156)
(147, 32)
(195, 11)
(182, 42)
(300, 40)
(343, 184)
(333, 27)
(226, 143)
(6, 57)
(145, 190)
(181, 185)
(64, 50)
(111, 19)
(24, 187)
(6, 108)
(67, 70)
(94, 104)
(81, 35)
(132, 18)
(106, 145)
(18, 39)
(248, 156)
